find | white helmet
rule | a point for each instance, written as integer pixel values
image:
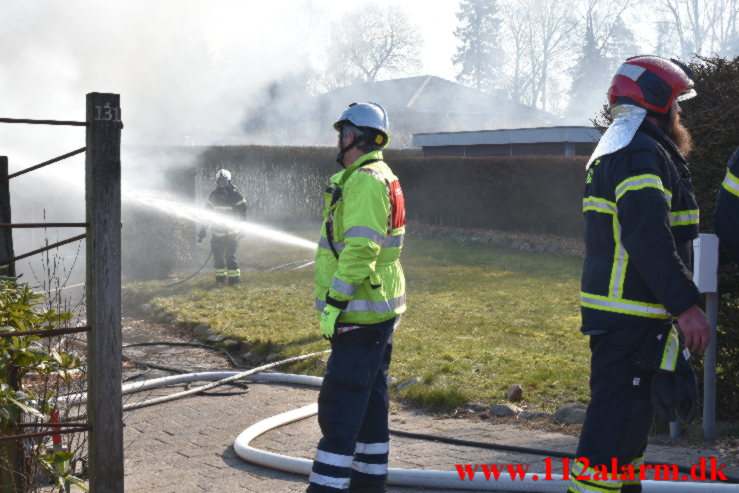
(223, 177)
(367, 115)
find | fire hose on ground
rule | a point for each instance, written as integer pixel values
(396, 476)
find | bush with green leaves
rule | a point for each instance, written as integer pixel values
(32, 373)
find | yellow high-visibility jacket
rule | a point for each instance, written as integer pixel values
(364, 216)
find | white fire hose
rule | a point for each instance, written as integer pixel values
(447, 480)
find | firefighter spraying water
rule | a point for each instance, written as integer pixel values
(224, 241)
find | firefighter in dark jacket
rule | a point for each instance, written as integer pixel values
(227, 200)
(726, 218)
(640, 219)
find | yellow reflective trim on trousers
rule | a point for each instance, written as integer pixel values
(636, 464)
(592, 485)
(597, 204)
(621, 305)
(640, 182)
(731, 183)
(620, 261)
(684, 218)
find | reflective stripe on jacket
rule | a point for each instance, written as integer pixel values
(640, 219)
(228, 201)
(726, 218)
(368, 224)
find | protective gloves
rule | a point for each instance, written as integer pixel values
(328, 321)
(201, 235)
(674, 386)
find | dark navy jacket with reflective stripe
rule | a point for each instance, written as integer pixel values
(640, 219)
(229, 201)
(726, 218)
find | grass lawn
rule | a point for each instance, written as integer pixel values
(479, 319)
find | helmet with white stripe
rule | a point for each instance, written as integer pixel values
(651, 82)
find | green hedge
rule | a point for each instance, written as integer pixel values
(521, 193)
(533, 194)
(712, 120)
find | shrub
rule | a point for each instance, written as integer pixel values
(20, 356)
(711, 119)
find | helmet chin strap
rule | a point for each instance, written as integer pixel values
(342, 152)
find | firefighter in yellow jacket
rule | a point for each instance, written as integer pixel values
(360, 293)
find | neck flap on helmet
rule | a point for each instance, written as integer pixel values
(626, 120)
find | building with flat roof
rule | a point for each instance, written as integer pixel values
(558, 141)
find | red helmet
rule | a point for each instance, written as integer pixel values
(651, 82)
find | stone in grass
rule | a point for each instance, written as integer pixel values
(408, 383)
(515, 392)
(201, 330)
(570, 414)
(531, 415)
(504, 410)
(231, 343)
(475, 407)
(214, 339)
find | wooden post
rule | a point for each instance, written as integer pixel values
(6, 234)
(103, 198)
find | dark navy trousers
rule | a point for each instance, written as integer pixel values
(225, 264)
(353, 413)
(620, 414)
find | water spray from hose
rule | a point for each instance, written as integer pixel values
(204, 216)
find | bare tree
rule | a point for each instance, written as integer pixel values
(550, 37)
(605, 41)
(515, 22)
(371, 43)
(703, 27)
(603, 18)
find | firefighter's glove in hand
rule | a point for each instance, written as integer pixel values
(328, 321)
(201, 235)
